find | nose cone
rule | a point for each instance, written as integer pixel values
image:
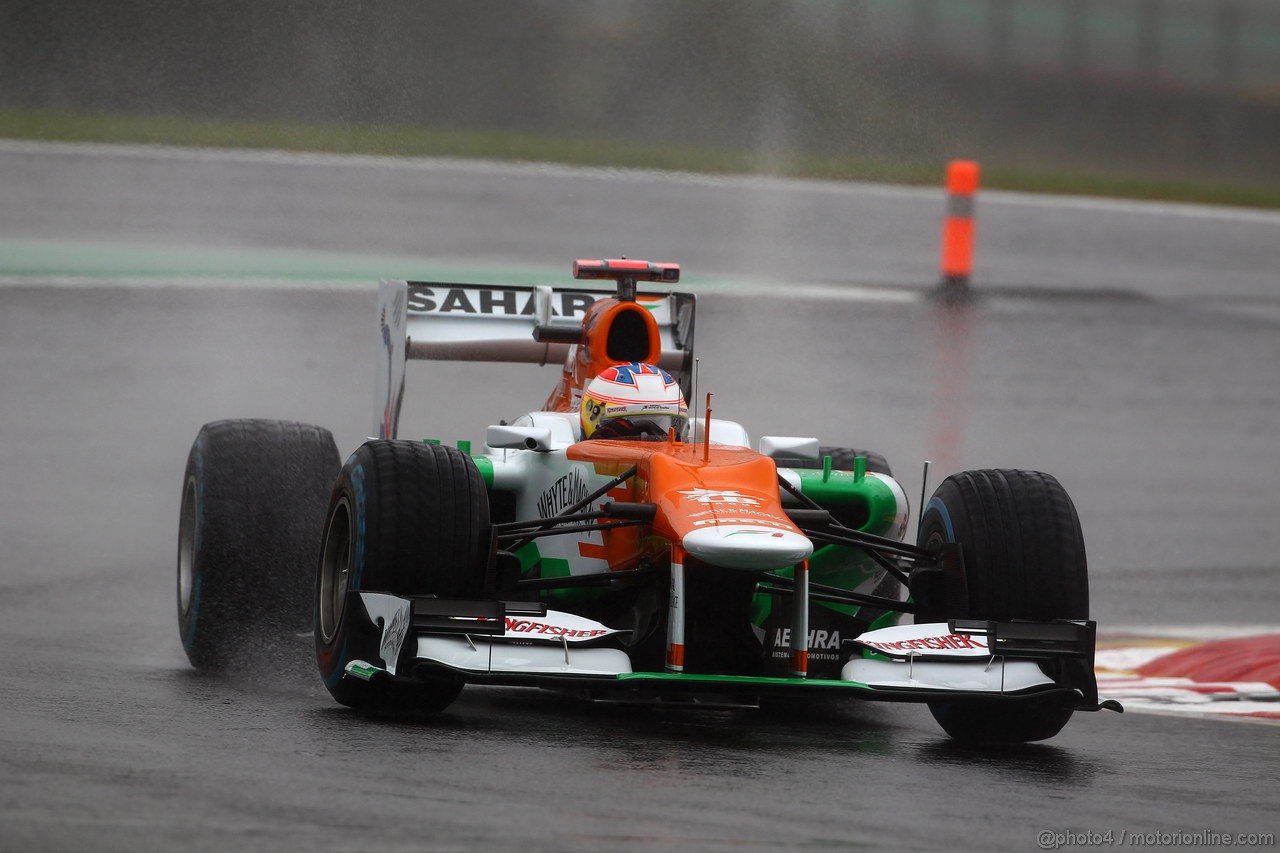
(737, 546)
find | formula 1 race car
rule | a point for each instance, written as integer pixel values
(668, 563)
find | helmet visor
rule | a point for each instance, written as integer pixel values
(647, 426)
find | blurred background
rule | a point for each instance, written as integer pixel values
(1173, 98)
(1129, 349)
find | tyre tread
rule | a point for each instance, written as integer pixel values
(428, 533)
(263, 488)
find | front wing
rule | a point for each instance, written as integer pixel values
(525, 644)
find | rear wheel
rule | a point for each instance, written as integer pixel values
(406, 518)
(1024, 558)
(253, 505)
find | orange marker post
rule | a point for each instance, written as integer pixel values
(957, 229)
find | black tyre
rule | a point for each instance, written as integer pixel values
(1024, 558)
(405, 518)
(253, 505)
(842, 459)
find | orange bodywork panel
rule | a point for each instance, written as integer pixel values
(693, 487)
(614, 332)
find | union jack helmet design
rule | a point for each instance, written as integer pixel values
(633, 400)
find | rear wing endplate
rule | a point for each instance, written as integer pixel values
(446, 321)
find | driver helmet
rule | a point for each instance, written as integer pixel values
(633, 400)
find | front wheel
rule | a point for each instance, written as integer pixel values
(405, 518)
(1024, 558)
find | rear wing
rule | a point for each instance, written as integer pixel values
(445, 321)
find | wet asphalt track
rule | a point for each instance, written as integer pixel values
(1152, 397)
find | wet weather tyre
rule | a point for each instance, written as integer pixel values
(1024, 558)
(408, 519)
(253, 505)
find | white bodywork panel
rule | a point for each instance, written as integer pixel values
(727, 433)
(931, 656)
(393, 614)
(556, 627)
(507, 437)
(928, 639)
(547, 484)
(482, 654)
(566, 427)
(388, 380)
(747, 546)
(789, 446)
(997, 676)
(548, 644)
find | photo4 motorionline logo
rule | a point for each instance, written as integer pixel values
(1049, 839)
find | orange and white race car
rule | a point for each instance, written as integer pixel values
(621, 544)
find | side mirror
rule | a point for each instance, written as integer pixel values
(789, 447)
(518, 438)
